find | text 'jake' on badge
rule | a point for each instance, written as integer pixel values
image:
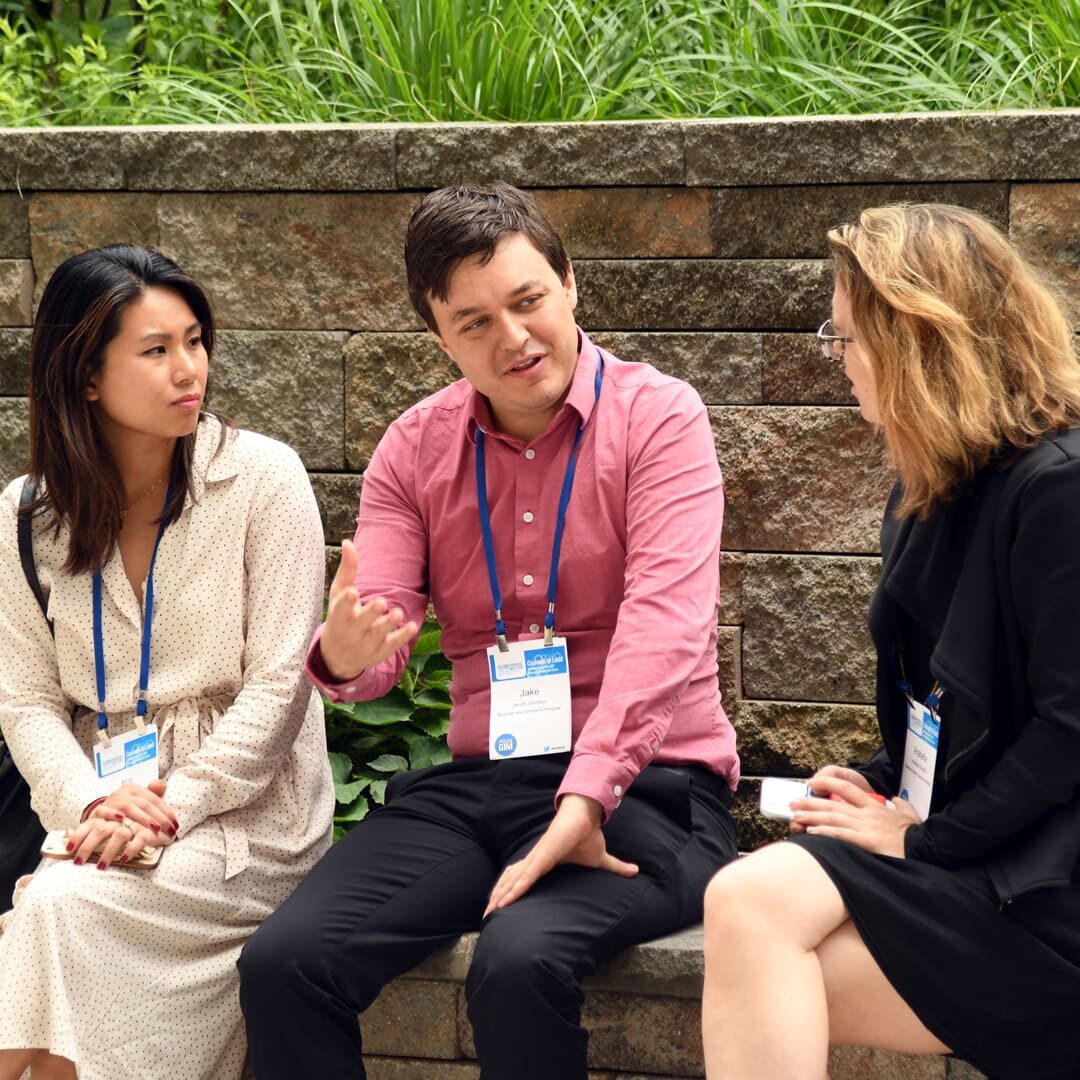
(530, 699)
(132, 756)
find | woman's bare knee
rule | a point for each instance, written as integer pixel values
(778, 891)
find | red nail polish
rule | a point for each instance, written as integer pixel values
(176, 824)
(71, 847)
(103, 866)
(155, 826)
(78, 862)
(123, 858)
(119, 817)
(172, 831)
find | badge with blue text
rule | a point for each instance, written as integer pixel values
(132, 756)
(530, 699)
(920, 756)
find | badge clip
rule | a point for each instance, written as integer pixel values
(500, 632)
(549, 626)
(140, 712)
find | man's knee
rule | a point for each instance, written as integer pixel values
(280, 954)
(511, 964)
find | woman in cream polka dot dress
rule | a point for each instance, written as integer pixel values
(204, 549)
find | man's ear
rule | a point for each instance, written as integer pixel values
(570, 285)
(441, 342)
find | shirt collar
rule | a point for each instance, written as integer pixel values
(209, 463)
(581, 396)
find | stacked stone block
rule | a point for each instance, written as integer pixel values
(698, 246)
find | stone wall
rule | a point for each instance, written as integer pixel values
(698, 246)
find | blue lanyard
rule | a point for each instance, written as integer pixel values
(99, 644)
(937, 691)
(560, 521)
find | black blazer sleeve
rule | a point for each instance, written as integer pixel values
(1038, 587)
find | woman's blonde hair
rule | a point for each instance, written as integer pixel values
(969, 350)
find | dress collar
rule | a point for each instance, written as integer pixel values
(215, 457)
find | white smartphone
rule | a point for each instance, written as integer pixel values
(777, 794)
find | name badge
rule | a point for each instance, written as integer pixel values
(530, 700)
(132, 756)
(920, 756)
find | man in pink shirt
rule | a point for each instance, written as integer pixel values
(562, 511)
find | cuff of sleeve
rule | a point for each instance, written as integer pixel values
(191, 799)
(918, 845)
(319, 674)
(79, 795)
(597, 777)
(88, 809)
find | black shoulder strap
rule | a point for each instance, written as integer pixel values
(26, 548)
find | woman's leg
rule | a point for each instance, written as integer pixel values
(864, 1009)
(764, 1011)
(787, 974)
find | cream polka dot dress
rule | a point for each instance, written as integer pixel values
(131, 974)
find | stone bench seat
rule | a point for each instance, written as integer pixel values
(642, 1010)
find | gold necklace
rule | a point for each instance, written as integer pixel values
(124, 511)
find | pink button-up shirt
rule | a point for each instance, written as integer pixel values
(638, 595)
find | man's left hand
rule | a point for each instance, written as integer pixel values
(574, 836)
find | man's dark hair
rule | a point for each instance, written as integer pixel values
(455, 223)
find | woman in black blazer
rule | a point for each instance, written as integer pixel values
(929, 900)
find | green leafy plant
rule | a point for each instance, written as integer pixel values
(265, 61)
(370, 741)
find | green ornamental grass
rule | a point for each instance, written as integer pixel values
(214, 61)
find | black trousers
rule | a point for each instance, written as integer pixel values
(416, 873)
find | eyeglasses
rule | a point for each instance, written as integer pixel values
(831, 343)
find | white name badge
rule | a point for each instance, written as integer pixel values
(920, 757)
(530, 700)
(132, 756)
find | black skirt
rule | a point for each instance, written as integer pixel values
(1000, 986)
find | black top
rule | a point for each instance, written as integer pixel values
(992, 581)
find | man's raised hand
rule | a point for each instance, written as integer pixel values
(359, 636)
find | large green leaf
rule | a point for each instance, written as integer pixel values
(340, 767)
(424, 751)
(356, 811)
(439, 678)
(391, 709)
(389, 763)
(434, 724)
(430, 699)
(344, 794)
(427, 643)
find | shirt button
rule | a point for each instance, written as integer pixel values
(617, 791)
(530, 453)
(527, 517)
(527, 579)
